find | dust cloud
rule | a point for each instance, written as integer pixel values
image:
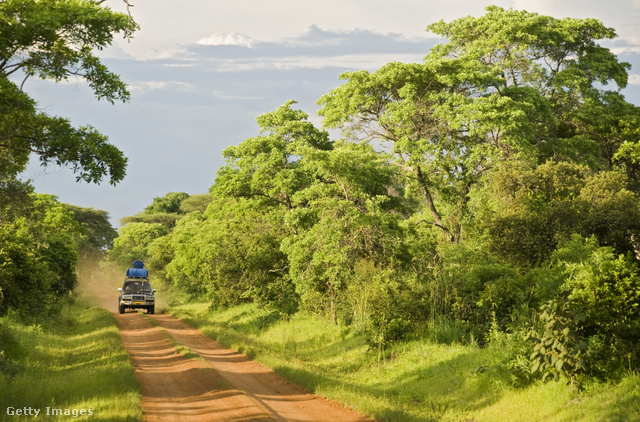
(98, 283)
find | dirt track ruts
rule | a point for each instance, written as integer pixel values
(224, 386)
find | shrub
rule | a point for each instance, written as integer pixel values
(592, 326)
(490, 293)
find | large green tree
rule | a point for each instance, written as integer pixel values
(509, 85)
(165, 210)
(133, 242)
(57, 40)
(269, 167)
(344, 215)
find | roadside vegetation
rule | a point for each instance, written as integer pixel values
(434, 377)
(54, 353)
(72, 361)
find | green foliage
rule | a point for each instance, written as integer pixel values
(499, 48)
(195, 203)
(167, 204)
(344, 219)
(591, 325)
(165, 210)
(534, 210)
(174, 250)
(56, 39)
(98, 231)
(270, 167)
(231, 254)
(38, 254)
(561, 349)
(480, 292)
(167, 220)
(133, 242)
(397, 105)
(383, 305)
(39, 240)
(611, 211)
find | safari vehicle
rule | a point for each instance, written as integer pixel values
(137, 293)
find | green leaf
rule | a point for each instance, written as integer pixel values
(559, 364)
(535, 366)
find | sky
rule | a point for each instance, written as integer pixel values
(201, 71)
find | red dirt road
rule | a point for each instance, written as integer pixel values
(218, 385)
(224, 386)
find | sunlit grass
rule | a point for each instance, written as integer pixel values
(418, 380)
(75, 361)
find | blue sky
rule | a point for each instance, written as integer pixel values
(201, 71)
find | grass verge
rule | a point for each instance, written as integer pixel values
(63, 366)
(418, 380)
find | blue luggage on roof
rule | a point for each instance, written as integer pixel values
(137, 272)
(137, 264)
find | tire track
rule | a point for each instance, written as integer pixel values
(224, 386)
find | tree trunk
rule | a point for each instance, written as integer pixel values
(437, 220)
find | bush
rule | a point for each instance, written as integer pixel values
(382, 304)
(561, 349)
(592, 326)
(490, 293)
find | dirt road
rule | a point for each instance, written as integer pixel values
(208, 382)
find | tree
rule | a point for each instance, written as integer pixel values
(96, 226)
(506, 86)
(253, 193)
(195, 203)
(397, 105)
(232, 255)
(548, 75)
(38, 256)
(56, 39)
(169, 203)
(165, 210)
(269, 167)
(97, 235)
(342, 217)
(525, 213)
(133, 242)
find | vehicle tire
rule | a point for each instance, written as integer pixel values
(151, 309)
(121, 309)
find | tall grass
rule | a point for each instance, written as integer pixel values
(427, 379)
(74, 361)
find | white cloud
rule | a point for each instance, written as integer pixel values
(367, 61)
(178, 65)
(634, 79)
(148, 86)
(233, 97)
(629, 49)
(232, 38)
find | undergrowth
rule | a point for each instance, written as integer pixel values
(74, 361)
(423, 379)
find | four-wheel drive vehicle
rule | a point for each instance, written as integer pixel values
(137, 293)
